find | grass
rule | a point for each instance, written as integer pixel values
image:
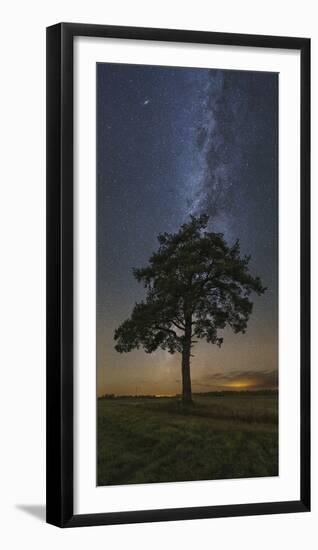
(147, 440)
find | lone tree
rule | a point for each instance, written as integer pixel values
(196, 284)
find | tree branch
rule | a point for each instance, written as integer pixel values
(166, 330)
(178, 326)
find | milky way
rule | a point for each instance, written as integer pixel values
(174, 142)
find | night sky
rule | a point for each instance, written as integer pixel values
(173, 142)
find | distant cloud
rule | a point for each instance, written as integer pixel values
(251, 379)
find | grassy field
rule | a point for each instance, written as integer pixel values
(148, 440)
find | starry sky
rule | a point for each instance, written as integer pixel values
(172, 142)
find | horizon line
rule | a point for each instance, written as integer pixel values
(158, 395)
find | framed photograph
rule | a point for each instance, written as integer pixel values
(178, 275)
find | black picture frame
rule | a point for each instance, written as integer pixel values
(60, 274)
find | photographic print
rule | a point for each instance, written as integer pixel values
(187, 274)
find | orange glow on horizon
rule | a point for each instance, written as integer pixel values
(240, 385)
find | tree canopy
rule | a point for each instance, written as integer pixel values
(196, 285)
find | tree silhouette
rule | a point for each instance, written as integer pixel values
(195, 285)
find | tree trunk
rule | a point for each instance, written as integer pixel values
(186, 352)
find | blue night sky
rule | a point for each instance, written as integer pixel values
(174, 142)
